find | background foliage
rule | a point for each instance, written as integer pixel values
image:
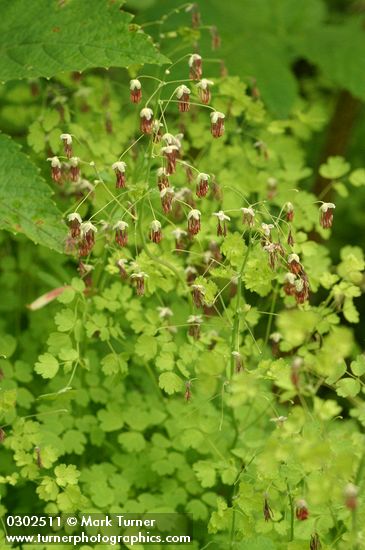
(96, 379)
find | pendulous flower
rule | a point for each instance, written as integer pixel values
(222, 219)
(55, 169)
(135, 90)
(294, 264)
(183, 95)
(350, 493)
(194, 322)
(139, 279)
(204, 90)
(198, 293)
(67, 144)
(170, 153)
(75, 224)
(146, 120)
(301, 510)
(74, 169)
(178, 234)
(155, 232)
(87, 233)
(238, 361)
(326, 214)
(119, 169)
(194, 224)
(202, 185)
(196, 66)
(248, 216)
(217, 124)
(121, 233)
(289, 212)
(167, 195)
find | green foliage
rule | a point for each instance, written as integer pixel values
(38, 39)
(26, 203)
(187, 375)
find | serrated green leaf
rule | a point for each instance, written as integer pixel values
(357, 177)
(26, 205)
(347, 387)
(113, 364)
(170, 382)
(358, 366)
(132, 441)
(66, 475)
(43, 39)
(47, 366)
(205, 472)
(146, 347)
(65, 320)
(335, 167)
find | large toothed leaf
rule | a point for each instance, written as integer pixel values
(26, 205)
(43, 38)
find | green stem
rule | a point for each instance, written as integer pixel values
(269, 322)
(236, 323)
(291, 502)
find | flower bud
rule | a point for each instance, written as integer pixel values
(294, 264)
(248, 216)
(67, 144)
(75, 224)
(87, 241)
(196, 67)
(183, 95)
(268, 513)
(167, 195)
(194, 322)
(238, 361)
(178, 234)
(350, 493)
(195, 16)
(121, 233)
(74, 169)
(326, 214)
(315, 543)
(217, 124)
(55, 169)
(135, 91)
(187, 395)
(162, 178)
(119, 169)
(216, 39)
(266, 228)
(122, 270)
(191, 274)
(301, 289)
(194, 225)
(170, 153)
(301, 510)
(139, 279)
(289, 212)
(155, 232)
(146, 118)
(198, 293)
(222, 226)
(204, 90)
(202, 185)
